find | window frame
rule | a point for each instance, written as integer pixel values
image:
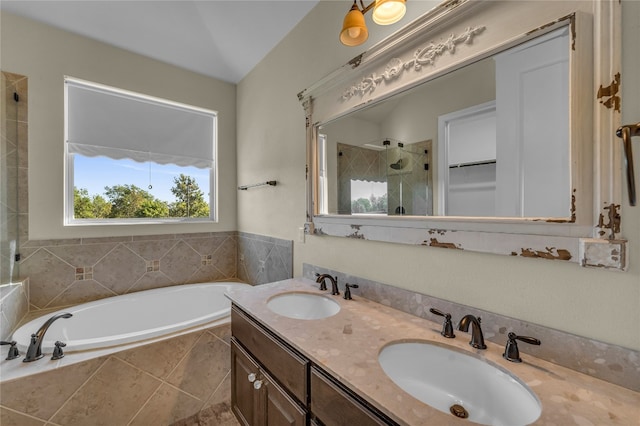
(69, 160)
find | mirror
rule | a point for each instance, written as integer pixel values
(501, 132)
(519, 105)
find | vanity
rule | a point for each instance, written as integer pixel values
(300, 371)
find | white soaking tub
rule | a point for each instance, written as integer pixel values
(132, 317)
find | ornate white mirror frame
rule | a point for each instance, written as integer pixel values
(455, 34)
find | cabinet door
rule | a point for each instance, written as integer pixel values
(279, 408)
(245, 400)
(290, 369)
(334, 407)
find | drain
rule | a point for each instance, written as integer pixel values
(459, 411)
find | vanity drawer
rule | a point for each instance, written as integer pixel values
(290, 369)
(335, 406)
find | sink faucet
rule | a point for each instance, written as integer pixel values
(323, 286)
(477, 339)
(35, 348)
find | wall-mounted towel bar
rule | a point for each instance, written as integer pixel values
(626, 132)
(269, 182)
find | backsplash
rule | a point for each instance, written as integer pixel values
(604, 361)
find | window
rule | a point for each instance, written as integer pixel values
(135, 158)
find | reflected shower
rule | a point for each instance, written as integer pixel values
(398, 165)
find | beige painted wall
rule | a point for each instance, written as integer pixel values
(271, 145)
(45, 54)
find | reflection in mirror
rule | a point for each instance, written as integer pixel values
(498, 131)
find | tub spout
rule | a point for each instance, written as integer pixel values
(35, 348)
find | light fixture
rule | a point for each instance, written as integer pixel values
(385, 12)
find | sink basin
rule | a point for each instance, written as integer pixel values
(460, 384)
(307, 306)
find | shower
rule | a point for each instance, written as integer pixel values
(398, 165)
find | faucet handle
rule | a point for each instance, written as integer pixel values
(57, 351)
(511, 351)
(447, 327)
(347, 290)
(13, 350)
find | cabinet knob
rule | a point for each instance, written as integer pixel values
(257, 384)
(251, 377)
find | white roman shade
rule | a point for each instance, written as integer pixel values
(104, 121)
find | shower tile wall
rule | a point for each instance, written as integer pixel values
(411, 184)
(14, 179)
(180, 381)
(14, 305)
(67, 272)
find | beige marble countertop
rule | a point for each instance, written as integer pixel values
(347, 345)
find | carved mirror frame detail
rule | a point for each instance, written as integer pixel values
(455, 34)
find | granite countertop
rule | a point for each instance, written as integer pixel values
(347, 346)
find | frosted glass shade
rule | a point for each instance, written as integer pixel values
(387, 12)
(354, 30)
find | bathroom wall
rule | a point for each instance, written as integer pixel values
(45, 55)
(592, 303)
(181, 381)
(73, 264)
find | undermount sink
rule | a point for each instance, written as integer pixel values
(460, 384)
(307, 306)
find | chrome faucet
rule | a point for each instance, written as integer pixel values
(35, 348)
(323, 286)
(477, 339)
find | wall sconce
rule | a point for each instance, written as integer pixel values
(385, 12)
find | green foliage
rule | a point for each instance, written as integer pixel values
(372, 204)
(129, 201)
(189, 198)
(87, 207)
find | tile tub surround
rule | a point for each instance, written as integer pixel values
(604, 361)
(14, 306)
(347, 346)
(263, 259)
(73, 271)
(183, 380)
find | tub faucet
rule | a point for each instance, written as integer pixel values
(35, 348)
(477, 339)
(323, 286)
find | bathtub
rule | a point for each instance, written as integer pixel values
(132, 317)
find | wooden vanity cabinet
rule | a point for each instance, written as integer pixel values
(332, 405)
(272, 384)
(256, 398)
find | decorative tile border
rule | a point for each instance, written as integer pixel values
(604, 361)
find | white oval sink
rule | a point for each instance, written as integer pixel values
(456, 383)
(305, 306)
